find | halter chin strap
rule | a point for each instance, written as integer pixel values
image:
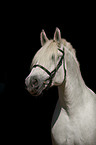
(52, 73)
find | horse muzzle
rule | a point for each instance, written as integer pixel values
(35, 86)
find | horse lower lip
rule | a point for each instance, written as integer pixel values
(39, 90)
(36, 93)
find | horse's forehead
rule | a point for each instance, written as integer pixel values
(45, 52)
(49, 47)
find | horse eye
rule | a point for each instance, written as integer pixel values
(53, 57)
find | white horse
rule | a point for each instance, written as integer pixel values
(74, 119)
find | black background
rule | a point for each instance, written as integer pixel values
(26, 118)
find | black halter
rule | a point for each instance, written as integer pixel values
(52, 73)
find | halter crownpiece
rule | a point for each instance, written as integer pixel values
(52, 73)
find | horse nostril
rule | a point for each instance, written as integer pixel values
(33, 82)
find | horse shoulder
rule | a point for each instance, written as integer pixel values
(81, 127)
(61, 130)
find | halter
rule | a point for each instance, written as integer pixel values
(52, 73)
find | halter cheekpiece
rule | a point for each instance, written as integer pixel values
(52, 73)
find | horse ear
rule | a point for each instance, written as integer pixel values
(43, 38)
(57, 35)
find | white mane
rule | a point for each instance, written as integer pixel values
(71, 50)
(69, 46)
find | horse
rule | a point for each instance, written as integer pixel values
(55, 64)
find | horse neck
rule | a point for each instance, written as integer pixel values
(70, 92)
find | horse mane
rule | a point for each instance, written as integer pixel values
(71, 49)
(69, 46)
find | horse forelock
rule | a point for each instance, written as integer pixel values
(45, 53)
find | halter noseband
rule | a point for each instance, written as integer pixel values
(52, 73)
